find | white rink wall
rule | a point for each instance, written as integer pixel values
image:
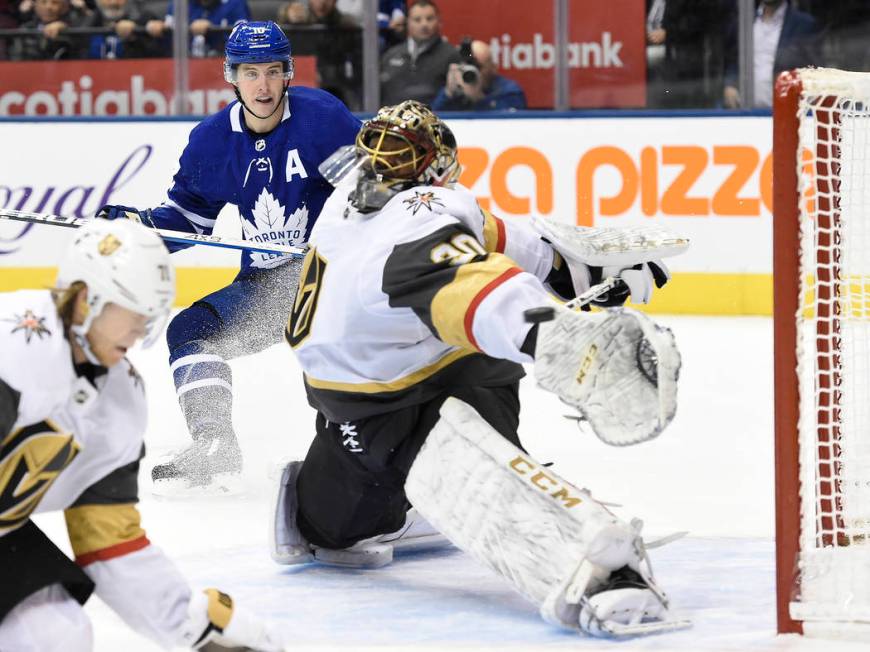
(707, 178)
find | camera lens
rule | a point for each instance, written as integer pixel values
(470, 74)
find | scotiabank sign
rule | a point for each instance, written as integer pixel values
(606, 49)
(129, 87)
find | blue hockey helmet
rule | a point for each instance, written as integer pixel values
(257, 42)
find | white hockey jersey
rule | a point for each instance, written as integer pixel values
(428, 292)
(73, 442)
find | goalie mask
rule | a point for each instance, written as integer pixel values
(403, 146)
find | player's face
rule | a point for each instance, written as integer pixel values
(261, 85)
(391, 156)
(115, 330)
(50, 10)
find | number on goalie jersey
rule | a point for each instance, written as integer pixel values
(412, 297)
(72, 420)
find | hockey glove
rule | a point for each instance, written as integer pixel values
(573, 278)
(215, 623)
(110, 212)
(638, 282)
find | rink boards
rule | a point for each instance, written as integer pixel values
(707, 177)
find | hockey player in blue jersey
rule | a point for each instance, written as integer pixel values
(261, 154)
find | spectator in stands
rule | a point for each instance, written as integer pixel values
(783, 37)
(203, 16)
(338, 50)
(8, 20)
(391, 19)
(475, 85)
(52, 17)
(123, 16)
(417, 68)
(684, 47)
(845, 26)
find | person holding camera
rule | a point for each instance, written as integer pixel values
(474, 84)
(417, 68)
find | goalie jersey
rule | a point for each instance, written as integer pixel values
(426, 294)
(71, 439)
(272, 178)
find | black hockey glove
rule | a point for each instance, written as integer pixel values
(637, 283)
(111, 212)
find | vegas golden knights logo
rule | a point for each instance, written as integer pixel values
(108, 245)
(302, 315)
(30, 460)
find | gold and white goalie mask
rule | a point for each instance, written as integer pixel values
(403, 146)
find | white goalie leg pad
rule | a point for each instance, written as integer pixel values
(610, 247)
(617, 367)
(552, 541)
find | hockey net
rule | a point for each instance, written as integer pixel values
(822, 351)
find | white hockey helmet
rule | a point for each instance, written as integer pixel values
(121, 262)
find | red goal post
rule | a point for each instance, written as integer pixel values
(821, 240)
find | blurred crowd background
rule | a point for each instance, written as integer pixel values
(468, 55)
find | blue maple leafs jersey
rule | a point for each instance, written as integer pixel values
(272, 178)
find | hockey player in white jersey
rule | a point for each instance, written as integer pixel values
(72, 418)
(415, 313)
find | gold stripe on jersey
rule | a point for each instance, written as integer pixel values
(453, 306)
(393, 385)
(93, 528)
(31, 458)
(494, 236)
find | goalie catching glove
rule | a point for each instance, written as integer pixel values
(617, 367)
(589, 255)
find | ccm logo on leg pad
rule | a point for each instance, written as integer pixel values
(551, 485)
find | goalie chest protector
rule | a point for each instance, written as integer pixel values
(359, 349)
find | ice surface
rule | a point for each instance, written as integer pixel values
(711, 473)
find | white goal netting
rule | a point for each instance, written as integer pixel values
(833, 326)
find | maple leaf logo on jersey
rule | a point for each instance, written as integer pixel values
(421, 199)
(30, 324)
(271, 225)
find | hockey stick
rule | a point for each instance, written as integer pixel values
(168, 235)
(537, 315)
(608, 284)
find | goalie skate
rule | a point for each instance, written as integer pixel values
(289, 547)
(627, 606)
(415, 534)
(210, 466)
